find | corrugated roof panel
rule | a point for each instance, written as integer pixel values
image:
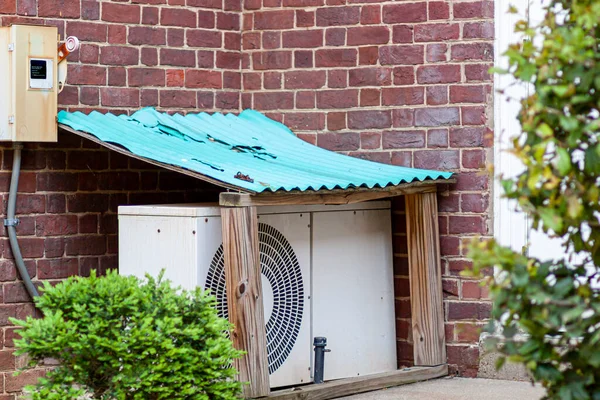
(229, 147)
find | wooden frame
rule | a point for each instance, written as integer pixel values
(361, 384)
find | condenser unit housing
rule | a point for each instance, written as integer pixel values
(326, 271)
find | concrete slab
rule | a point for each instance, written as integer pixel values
(457, 389)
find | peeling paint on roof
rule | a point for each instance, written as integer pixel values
(248, 151)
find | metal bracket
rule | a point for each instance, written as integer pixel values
(11, 222)
(11, 47)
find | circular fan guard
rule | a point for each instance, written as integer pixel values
(280, 267)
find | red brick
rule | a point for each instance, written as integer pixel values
(271, 40)
(305, 79)
(477, 72)
(117, 34)
(369, 119)
(178, 17)
(305, 99)
(203, 79)
(149, 98)
(80, 202)
(467, 224)
(116, 55)
(467, 137)
(303, 59)
(85, 245)
(437, 159)
(336, 58)
(86, 75)
(303, 39)
(90, 9)
(149, 56)
(438, 74)
(339, 141)
(439, 10)
(335, 16)
(337, 78)
(471, 181)
(468, 310)
(88, 223)
(405, 12)
(468, 333)
(228, 59)
(147, 35)
(305, 121)
(273, 100)
(150, 16)
(402, 34)
(370, 97)
(335, 36)
(437, 52)
(272, 60)
(473, 290)
(125, 13)
(370, 15)
(450, 288)
(203, 38)
(8, 6)
(478, 30)
(58, 268)
(206, 101)
(337, 98)
(477, 9)
(302, 3)
(472, 51)
(59, 9)
(206, 19)
(437, 95)
(477, 203)
(7, 361)
(272, 80)
(436, 32)
(87, 32)
(437, 138)
(467, 94)
(116, 97)
(368, 55)
(404, 76)
(228, 21)
(31, 204)
(179, 58)
(403, 96)
(17, 383)
(305, 18)
(437, 116)
(370, 141)
(368, 35)
(449, 245)
(283, 19)
(175, 77)
(89, 96)
(401, 55)
(146, 77)
(474, 159)
(473, 115)
(403, 117)
(336, 121)
(370, 77)
(87, 160)
(54, 225)
(403, 139)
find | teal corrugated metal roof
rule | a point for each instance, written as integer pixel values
(264, 153)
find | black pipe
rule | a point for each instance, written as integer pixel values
(320, 343)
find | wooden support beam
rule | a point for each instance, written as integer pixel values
(361, 384)
(348, 196)
(425, 279)
(244, 297)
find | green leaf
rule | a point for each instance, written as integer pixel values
(563, 161)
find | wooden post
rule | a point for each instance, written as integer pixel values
(244, 297)
(425, 279)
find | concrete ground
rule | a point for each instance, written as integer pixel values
(457, 389)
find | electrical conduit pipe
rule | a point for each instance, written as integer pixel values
(11, 222)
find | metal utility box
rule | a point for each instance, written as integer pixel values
(28, 83)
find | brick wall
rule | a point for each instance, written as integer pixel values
(399, 82)
(395, 82)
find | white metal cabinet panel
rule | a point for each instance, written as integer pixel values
(150, 244)
(295, 228)
(353, 291)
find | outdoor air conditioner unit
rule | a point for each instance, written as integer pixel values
(326, 271)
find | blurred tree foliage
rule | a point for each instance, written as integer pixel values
(556, 303)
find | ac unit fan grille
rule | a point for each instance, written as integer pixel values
(280, 267)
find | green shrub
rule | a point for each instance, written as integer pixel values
(555, 302)
(117, 337)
